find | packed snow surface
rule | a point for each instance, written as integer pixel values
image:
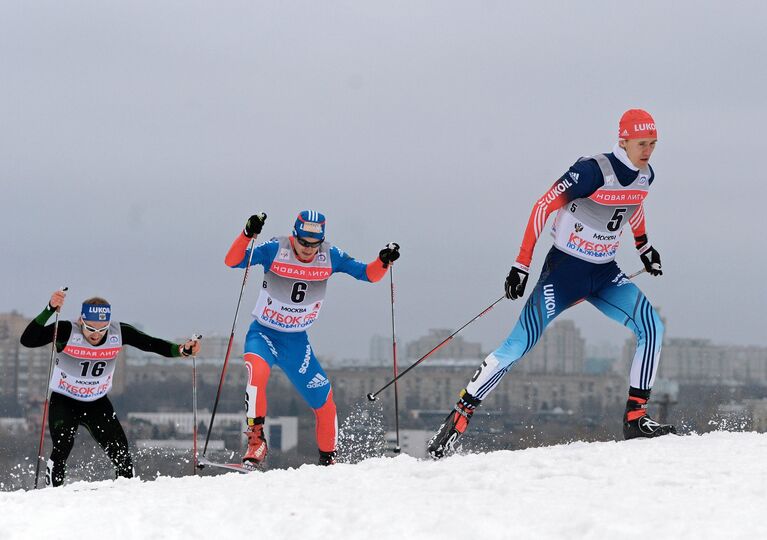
(696, 486)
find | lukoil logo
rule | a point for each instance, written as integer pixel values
(554, 192)
(549, 300)
(647, 126)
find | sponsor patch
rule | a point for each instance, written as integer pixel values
(318, 381)
(310, 226)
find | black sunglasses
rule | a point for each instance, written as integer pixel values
(309, 244)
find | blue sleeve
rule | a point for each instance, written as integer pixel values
(342, 262)
(263, 254)
(585, 177)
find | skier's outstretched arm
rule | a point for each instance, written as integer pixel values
(371, 272)
(136, 338)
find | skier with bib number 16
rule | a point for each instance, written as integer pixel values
(296, 272)
(86, 352)
(593, 200)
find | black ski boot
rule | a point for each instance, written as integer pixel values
(327, 458)
(453, 427)
(637, 423)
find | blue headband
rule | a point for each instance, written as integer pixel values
(96, 312)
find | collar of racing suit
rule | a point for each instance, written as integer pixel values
(623, 157)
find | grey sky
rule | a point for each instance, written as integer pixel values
(137, 137)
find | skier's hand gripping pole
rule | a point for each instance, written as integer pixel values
(373, 395)
(192, 346)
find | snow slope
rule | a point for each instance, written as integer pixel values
(708, 486)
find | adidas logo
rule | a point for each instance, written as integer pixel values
(318, 381)
(574, 176)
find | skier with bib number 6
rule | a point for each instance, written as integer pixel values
(296, 272)
(594, 200)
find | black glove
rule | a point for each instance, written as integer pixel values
(389, 254)
(254, 225)
(651, 260)
(515, 283)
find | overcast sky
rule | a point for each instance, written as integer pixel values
(137, 137)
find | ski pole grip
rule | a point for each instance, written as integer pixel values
(196, 337)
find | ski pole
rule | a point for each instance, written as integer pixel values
(47, 393)
(373, 395)
(195, 337)
(397, 448)
(228, 349)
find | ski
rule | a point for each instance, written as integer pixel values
(243, 468)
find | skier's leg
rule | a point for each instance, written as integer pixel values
(622, 301)
(255, 391)
(63, 420)
(260, 354)
(102, 423)
(326, 430)
(305, 372)
(563, 281)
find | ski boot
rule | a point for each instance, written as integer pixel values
(637, 423)
(257, 449)
(328, 458)
(453, 426)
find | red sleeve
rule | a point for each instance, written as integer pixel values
(552, 200)
(637, 223)
(237, 252)
(375, 271)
